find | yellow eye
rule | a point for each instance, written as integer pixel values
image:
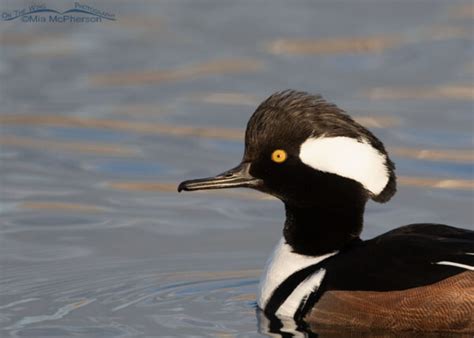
(279, 156)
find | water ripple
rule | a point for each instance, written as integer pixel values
(163, 299)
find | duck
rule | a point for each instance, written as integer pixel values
(325, 167)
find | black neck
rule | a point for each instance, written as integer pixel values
(318, 230)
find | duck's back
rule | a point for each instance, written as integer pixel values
(417, 277)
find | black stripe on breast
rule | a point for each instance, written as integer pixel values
(283, 291)
(307, 304)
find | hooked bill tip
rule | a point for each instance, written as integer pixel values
(181, 186)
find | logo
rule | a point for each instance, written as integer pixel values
(40, 13)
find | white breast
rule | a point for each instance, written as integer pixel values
(303, 291)
(282, 264)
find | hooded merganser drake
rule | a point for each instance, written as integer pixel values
(324, 166)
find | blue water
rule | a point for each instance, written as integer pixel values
(94, 239)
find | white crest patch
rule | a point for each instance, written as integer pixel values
(347, 157)
(281, 265)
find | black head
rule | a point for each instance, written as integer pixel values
(308, 152)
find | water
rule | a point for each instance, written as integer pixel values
(99, 122)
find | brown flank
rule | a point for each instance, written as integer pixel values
(446, 306)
